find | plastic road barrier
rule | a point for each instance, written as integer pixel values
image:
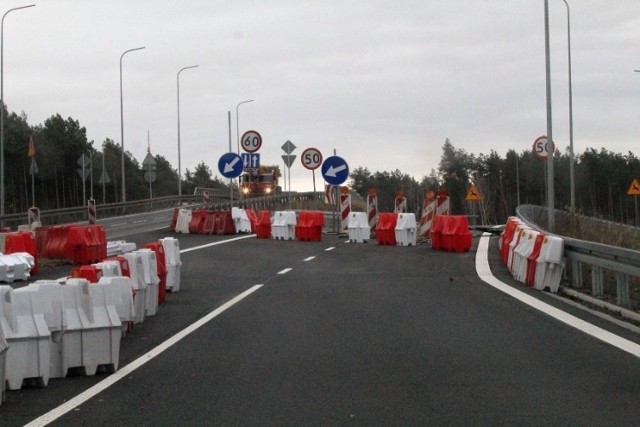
(283, 227)
(263, 225)
(182, 223)
(3, 367)
(386, 228)
(405, 230)
(309, 226)
(161, 262)
(173, 263)
(240, 220)
(359, 230)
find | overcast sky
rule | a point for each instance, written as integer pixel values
(383, 83)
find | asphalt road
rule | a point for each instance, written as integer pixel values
(336, 333)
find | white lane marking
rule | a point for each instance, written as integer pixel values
(330, 248)
(195, 248)
(56, 413)
(309, 258)
(484, 272)
(285, 271)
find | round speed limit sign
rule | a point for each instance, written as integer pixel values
(251, 141)
(541, 147)
(311, 158)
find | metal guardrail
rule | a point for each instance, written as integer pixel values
(587, 255)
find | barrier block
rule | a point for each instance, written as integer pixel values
(507, 235)
(358, 227)
(456, 236)
(552, 264)
(86, 244)
(136, 271)
(521, 254)
(209, 226)
(532, 260)
(27, 335)
(14, 267)
(174, 219)
(241, 221)
(23, 242)
(198, 217)
(109, 268)
(309, 226)
(151, 279)
(224, 223)
(184, 219)
(439, 224)
(514, 243)
(406, 229)
(89, 272)
(263, 225)
(251, 214)
(161, 263)
(121, 290)
(173, 263)
(283, 227)
(119, 247)
(3, 367)
(386, 228)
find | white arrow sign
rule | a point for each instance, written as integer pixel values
(333, 171)
(229, 166)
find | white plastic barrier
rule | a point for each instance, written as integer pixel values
(549, 272)
(120, 291)
(514, 242)
(136, 270)
(284, 225)
(3, 367)
(93, 329)
(109, 268)
(26, 332)
(182, 223)
(151, 279)
(119, 247)
(14, 267)
(172, 260)
(405, 230)
(240, 220)
(359, 230)
(521, 254)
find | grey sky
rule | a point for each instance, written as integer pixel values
(384, 83)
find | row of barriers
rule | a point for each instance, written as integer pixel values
(533, 258)
(51, 327)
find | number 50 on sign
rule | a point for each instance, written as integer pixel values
(541, 147)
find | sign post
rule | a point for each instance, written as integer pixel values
(288, 158)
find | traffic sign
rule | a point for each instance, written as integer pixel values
(251, 160)
(634, 188)
(251, 141)
(288, 147)
(473, 194)
(541, 147)
(288, 159)
(311, 158)
(230, 165)
(335, 170)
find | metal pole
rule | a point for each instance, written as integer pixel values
(104, 178)
(237, 124)
(517, 179)
(230, 179)
(124, 195)
(179, 165)
(550, 189)
(2, 105)
(571, 153)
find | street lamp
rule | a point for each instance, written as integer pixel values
(237, 125)
(124, 196)
(179, 166)
(2, 105)
(572, 184)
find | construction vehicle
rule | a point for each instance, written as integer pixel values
(262, 181)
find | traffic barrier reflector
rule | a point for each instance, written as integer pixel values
(27, 335)
(359, 230)
(405, 230)
(263, 225)
(386, 228)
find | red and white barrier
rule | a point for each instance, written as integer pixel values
(372, 209)
(345, 210)
(426, 220)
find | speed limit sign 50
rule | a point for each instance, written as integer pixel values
(541, 147)
(251, 141)
(311, 158)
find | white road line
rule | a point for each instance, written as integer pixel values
(56, 413)
(484, 272)
(195, 248)
(309, 258)
(330, 248)
(285, 271)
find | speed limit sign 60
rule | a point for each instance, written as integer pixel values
(251, 141)
(311, 158)
(541, 147)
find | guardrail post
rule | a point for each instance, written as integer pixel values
(597, 281)
(576, 273)
(622, 281)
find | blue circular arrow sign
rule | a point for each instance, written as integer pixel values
(230, 165)
(335, 170)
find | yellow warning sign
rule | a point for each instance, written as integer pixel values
(473, 194)
(634, 188)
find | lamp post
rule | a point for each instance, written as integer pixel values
(179, 165)
(237, 125)
(550, 188)
(124, 195)
(572, 183)
(2, 105)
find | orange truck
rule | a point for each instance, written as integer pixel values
(260, 182)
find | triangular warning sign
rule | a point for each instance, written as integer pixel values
(473, 194)
(634, 188)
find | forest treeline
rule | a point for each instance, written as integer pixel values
(602, 177)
